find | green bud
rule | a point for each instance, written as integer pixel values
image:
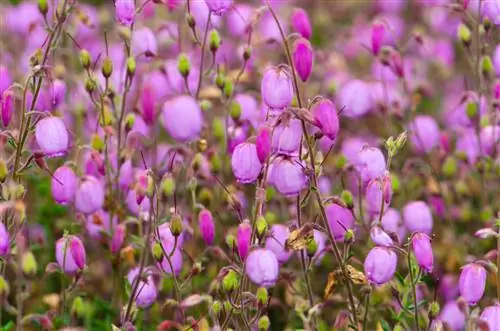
(218, 129)
(107, 67)
(19, 191)
(340, 161)
(28, 264)
(85, 59)
(78, 307)
(247, 53)
(176, 225)
(471, 110)
(230, 282)
(235, 110)
(131, 66)
(167, 185)
(486, 65)
(157, 251)
(205, 197)
(129, 122)
(461, 187)
(227, 307)
(484, 121)
(190, 20)
(3, 170)
(395, 182)
(4, 287)
(271, 217)
(312, 248)
(230, 241)
(183, 65)
(214, 40)
(347, 198)
(262, 295)
(450, 166)
(349, 236)
(228, 88)
(97, 143)
(434, 309)
(220, 81)
(270, 193)
(264, 323)
(261, 226)
(197, 161)
(487, 24)
(90, 84)
(400, 141)
(205, 105)
(464, 34)
(216, 307)
(216, 163)
(43, 7)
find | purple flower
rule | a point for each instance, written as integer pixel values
(417, 217)
(452, 316)
(448, 287)
(356, 97)
(262, 267)
(340, 220)
(63, 185)
(424, 133)
(175, 259)
(7, 104)
(146, 290)
(370, 163)
(472, 282)
(245, 163)
(182, 118)
(4, 241)
(326, 118)
(490, 139)
(303, 58)
(89, 196)
(70, 254)
(468, 144)
(148, 104)
(379, 195)
(423, 251)
(238, 19)
(126, 175)
(496, 60)
(287, 138)
(380, 265)
(219, 7)
(263, 143)
(5, 79)
(207, 227)
(144, 43)
(52, 137)
(380, 237)
(378, 32)
(125, 11)
(243, 237)
(277, 88)
(275, 242)
(391, 222)
(491, 315)
(135, 207)
(100, 223)
(288, 176)
(301, 23)
(118, 238)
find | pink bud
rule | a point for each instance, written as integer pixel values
(423, 251)
(4, 240)
(77, 252)
(52, 136)
(245, 163)
(70, 254)
(125, 11)
(6, 101)
(396, 63)
(378, 32)
(262, 267)
(148, 98)
(301, 23)
(326, 118)
(90, 196)
(277, 88)
(243, 237)
(263, 142)
(303, 58)
(472, 282)
(118, 238)
(207, 227)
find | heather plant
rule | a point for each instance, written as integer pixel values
(250, 165)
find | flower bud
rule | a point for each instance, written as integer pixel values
(491, 315)
(157, 251)
(89, 197)
(235, 110)
(247, 53)
(277, 88)
(219, 7)
(125, 12)
(107, 67)
(183, 65)
(380, 265)
(4, 241)
(78, 307)
(216, 307)
(347, 198)
(214, 40)
(28, 264)
(207, 226)
(312, 248)
(261, 226)
(264, 323)
(303, 58)
(52, 137)
(7, 104)
(85, 59)
(301, 23)
(176, 225)
(417, 217)
(220, 81)
(4, 171)
(97, 143)
(326, 118)
(228, 88)
(245, 163)
(4, 287)
(64, 184)
(423, 251)
(487, 66)
(43, 7)
(450, 166)
(167, 185)
(118, 238)
(472, 282)
(262, 267)
(464, 34)
(243, 237)
(434, 309)
(90, 85)
(230, 241)
(263, 142)
(377, 36)
(262, 296)
(230, 282)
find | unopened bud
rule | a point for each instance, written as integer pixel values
(190, 20)
(107, 67)
(235, 110)
(471, 110)
(349, 236)
(78, 307)
(129, 122)
(264, 323)
(216, 307)
(230, 281)
(168, 185)
(43, 7)
(176, 225)
(85, 59)
(131, 66)
(487, 66)
(28, 264)
(450, 166)
(183, 65)
(205, 105)
(214, 40)
(247, 53)
(487, 24)
(261, 226)
(347, 198)
(228, 88)
(218, 129)
(4, 287)
(262, 296)
(90, 84)
(230, 241)
(312, 248)
(202, 145)
(97, 143)
(220, 81)
(3, 170)
(157, 251)
(464, 34)
(434, 310)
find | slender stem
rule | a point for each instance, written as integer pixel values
(498, 268)
(414, 289)
(317, 194)
(367, 306)
(202, 58)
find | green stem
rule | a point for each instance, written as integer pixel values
(414, 289)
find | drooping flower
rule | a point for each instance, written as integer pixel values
(326, 118)
(51, 136)
(424, 133)
(452, 316)
(392, 223)
(147, 292)
(301, 23)
(423, 251)
(144, 43)
(303, 58)
(4, 241)
(243, 237)
(287, 138)
(7, 104)
(70, 254)
(356, 97)
(380, 237)
(288, 176)
(277, 88)
(340, 220)
(63, 185)
(379, 195)
(245, 163)
(125, 11)
(89, 196)
(262, 267)
(182, 118)
(219, 7)
(417, 217)
(263, 143)
(380, 265)
(370, 163)
(472, 282)
(118, 237)
(275, 242)
(378, 32)
(491, 315)
(207, 226)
